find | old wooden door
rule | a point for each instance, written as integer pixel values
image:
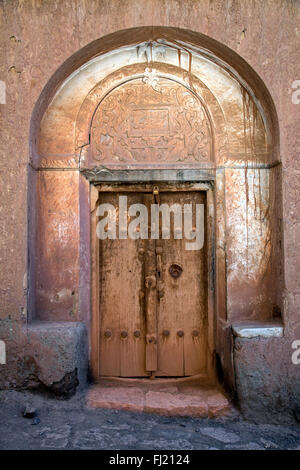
(152, 295)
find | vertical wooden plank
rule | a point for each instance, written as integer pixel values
(150, 296)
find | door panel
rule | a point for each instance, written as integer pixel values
(121, 309)
(182, 309)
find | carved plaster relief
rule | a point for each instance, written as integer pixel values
(153, 122)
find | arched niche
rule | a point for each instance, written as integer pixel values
(74, 143)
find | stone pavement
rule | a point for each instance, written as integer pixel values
(71, 425)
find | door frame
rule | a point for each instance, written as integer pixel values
(96, 188)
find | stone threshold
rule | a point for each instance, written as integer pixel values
(167, 397)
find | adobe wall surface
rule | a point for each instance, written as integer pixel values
(260, 386)
(36, 38)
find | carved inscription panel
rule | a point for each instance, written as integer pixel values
(137, 123)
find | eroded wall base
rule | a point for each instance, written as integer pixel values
(53, 357)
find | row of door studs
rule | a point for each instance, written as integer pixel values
(137, 333)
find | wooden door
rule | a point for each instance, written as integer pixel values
(152, 320)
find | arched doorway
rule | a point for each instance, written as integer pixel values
(169, 109)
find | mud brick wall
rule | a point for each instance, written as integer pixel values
(37, 37)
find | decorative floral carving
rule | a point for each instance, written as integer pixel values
(151, 78)
(136, 124)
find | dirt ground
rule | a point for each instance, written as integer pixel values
(69, 424)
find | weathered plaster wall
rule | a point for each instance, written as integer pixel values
(38, 36)
(57, 274)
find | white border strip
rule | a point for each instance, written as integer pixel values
(254, 330)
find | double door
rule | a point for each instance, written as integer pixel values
(152, 290)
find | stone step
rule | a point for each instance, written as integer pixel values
(173, 399)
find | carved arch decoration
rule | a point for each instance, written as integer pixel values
(239, 125)
(185, 124)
